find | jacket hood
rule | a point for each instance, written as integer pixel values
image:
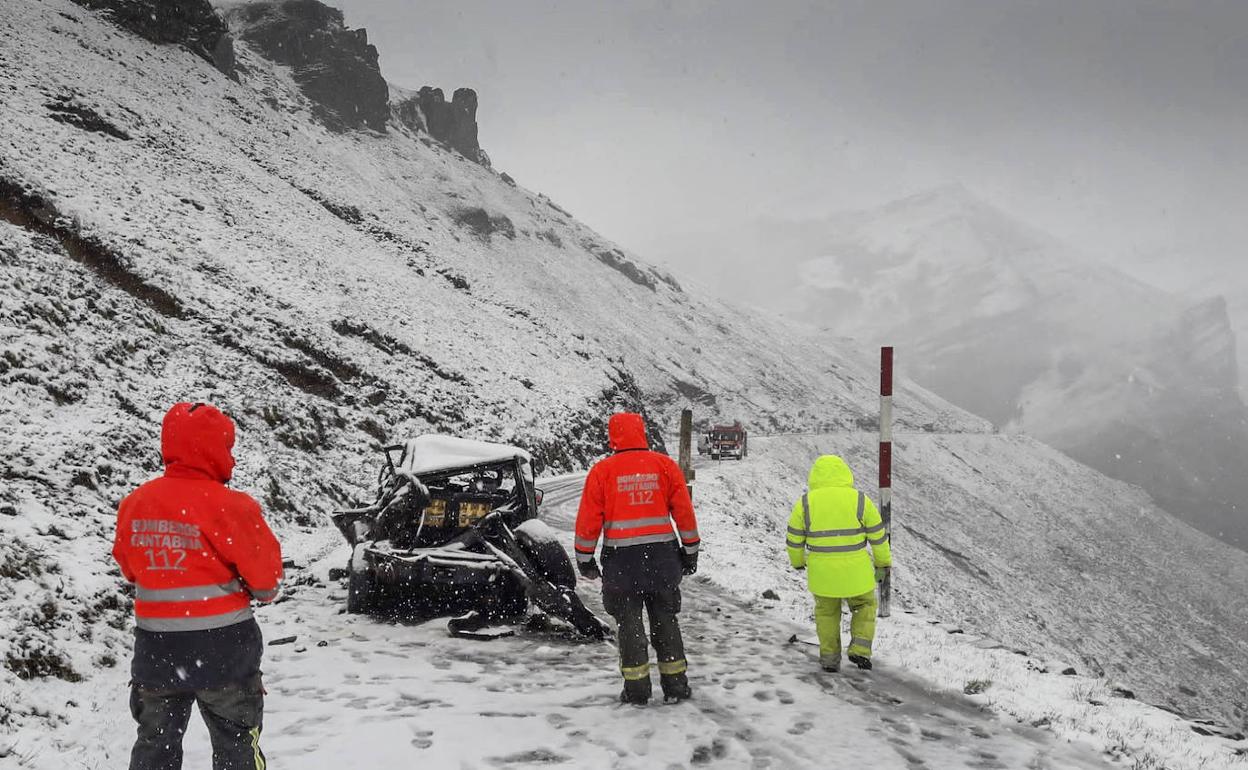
(627, 430)
(830, 471)
(197, 440)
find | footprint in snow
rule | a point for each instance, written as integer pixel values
(411, 699)
(531, 757)
(558, 721)
(897, 725)
(786, 697)
(801, 728)
(640, 744)
(459, 679)
(422, 739)
(703, 755)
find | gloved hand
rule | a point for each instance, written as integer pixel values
(589, 569)
(881, 573)
(688, 562)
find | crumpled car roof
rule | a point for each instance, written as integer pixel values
(433, 452)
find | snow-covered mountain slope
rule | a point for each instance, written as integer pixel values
(1012, 324)
(171, 233)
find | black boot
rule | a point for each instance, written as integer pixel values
(675, 688)
(860, 662)
(636, 691)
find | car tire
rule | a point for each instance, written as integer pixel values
(361, 592)
(505, 601)
(549, 559)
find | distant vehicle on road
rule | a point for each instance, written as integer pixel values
(727, 441)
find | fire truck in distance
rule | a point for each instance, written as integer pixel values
(722, 441)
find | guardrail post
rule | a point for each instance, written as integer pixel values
(686, 447)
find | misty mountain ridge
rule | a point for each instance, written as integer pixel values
(1201, 276)
(1015, 325)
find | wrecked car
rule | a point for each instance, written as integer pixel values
(454, 523)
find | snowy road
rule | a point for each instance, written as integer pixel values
(396, 691)
(354, 691)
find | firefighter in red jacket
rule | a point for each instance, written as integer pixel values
(631, 498)
(198, 554)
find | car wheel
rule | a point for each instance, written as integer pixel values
(361, 591)
(506, 601)
(549, 558)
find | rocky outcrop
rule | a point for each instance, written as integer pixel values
(452, 123)
(190, 23)
(335, 67)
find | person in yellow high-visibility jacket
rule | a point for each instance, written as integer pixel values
(829, 531)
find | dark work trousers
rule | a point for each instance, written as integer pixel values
(662, 608)
(234, 716)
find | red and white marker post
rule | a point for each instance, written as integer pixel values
(886, 469)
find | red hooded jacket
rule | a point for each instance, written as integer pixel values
(197, 551)
(632, 497)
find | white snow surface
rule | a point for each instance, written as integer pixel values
(432, 453)
(387, 692)
(361, 691)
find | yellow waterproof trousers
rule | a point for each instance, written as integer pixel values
(861, 626)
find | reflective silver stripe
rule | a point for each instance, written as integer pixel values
(692, 548)
(187, 594)
(797, 532)
(689, 534)
(584, 556)
(836, 548)
(653, 521)
(583, 543)
(189, 623)
(858, 641)
(806, 510)
(265, 596)
(792, 544)
(639, 540)
(834, 532)
(862, 504)
(878, 541)
(876, 528)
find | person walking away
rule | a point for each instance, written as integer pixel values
(198, 554)
(632, 498)
(829, 530)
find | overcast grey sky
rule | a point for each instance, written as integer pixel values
(668, 124)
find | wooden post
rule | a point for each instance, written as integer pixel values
(886, 468)
(686, 447)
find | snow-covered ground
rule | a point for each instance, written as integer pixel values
(355, 691)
